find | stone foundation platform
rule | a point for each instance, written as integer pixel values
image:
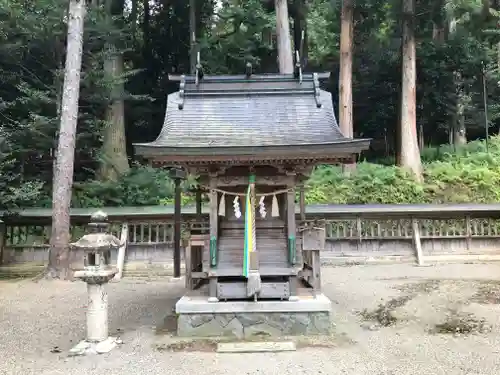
(241, 319)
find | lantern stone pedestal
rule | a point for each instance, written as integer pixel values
(97, 272)
(97, 341)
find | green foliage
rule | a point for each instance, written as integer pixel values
(32, 54)
(323, 32)
(468, 174)
(14, 191)
(371, 183)
(143, 186)
(154, 38)
(238, 37)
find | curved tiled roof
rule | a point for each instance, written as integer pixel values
(238, 112)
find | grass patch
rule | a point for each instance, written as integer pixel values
(425, 287)
(5, 276)
(384, 316)
(462, 324)
(384, 313)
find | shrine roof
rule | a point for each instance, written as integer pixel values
(249, 115)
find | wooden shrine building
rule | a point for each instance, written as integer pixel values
(252, 140)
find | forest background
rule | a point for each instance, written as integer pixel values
(130, 47)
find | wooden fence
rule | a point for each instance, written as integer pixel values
(355, 233)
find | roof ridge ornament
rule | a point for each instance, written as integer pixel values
(316, 89)
(182, 88)
(298, 53)
(298, 68)
(199, 69)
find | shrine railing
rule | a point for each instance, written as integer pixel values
(354, 232)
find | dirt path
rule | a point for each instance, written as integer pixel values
(395, 319)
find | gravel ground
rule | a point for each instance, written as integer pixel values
(37, 317)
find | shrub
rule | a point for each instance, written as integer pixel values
(370, 183)
(14, 191)
(470, 173)
(143, 186)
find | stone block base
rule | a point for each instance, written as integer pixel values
(199, 318)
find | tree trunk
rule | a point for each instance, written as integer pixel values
(438, 22)
(485, 10)
(421, 139)
(114, 161)
(498, 56)
(409, 153)
(146, 30)
(458, 131)
(438, 34)
(345, 75)
(59, 260)
(299, 26)
(397, 130)
(147, 50)
(114, 147)
(285, 59)
(497, 8)
(134, 12)
(192, 36)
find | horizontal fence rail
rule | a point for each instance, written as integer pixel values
(338, 211)
(352, 231)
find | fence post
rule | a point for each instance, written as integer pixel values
(416, 241)
(359, 229)
(468, 232)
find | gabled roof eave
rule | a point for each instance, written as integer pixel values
(332, 149)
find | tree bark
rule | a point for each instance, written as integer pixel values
(192, 36)
(497, 7)
(485, 10)
(59, 260)
(345, 75)
(285, 59)
(146, 29)
(438, 34)
(421, 139)
(409, 155)
(458, 131)
(438, 22)
(134, 12)
(147, 51)
(114, 161)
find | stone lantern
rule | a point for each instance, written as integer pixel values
(97, 272)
